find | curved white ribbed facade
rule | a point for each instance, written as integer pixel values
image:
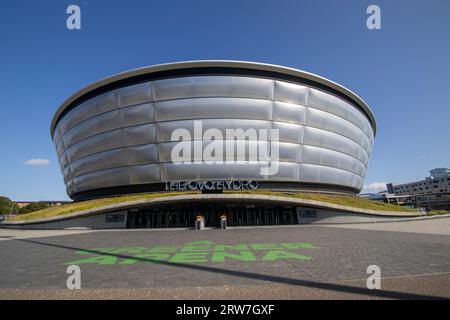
(117, 133)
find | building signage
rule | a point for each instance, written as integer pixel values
(211, 185)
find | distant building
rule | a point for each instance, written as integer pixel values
(372, 196)
(432, 193)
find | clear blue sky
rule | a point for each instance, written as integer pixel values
(402, 70)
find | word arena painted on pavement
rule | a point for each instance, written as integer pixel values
(194, 252)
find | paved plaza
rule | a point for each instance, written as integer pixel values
(296, 262)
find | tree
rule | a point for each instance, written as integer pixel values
(34, 206)
(7, 206)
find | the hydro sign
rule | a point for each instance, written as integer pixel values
(211, 185)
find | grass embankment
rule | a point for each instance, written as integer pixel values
(89, 204)
(350, 201)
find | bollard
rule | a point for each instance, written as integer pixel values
(200, 223)
(223, 222)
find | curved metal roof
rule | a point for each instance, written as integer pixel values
(198, 65)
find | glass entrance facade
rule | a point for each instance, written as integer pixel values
(238, 214)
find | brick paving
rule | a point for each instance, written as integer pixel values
(339, 256)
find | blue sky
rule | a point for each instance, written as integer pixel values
(401, 71)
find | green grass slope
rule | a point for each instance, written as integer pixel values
(350, 201)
